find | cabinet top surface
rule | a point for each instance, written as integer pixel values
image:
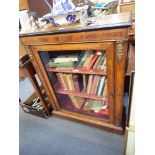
(103, 22)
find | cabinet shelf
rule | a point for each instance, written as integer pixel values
(81, 94)
(78, 71)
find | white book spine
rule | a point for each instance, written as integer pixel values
(101, 85)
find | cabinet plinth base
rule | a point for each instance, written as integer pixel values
(96, 123)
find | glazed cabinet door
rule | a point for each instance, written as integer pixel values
(79, 78)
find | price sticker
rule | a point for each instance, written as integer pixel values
(98, 53)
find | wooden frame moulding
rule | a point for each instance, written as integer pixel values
(80, 37)
(107, 46)
(34, 62)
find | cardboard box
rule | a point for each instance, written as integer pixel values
(28, 107)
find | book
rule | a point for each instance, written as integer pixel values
(90, 80)
(103, 65)
(85, 56)
(59, 80)
(97, 62)
(101, 61)
(64, 76)
(97, 85)
(93, 60)
(84, 82)
(103, 112)
(87, 61)
(70, 82)
(66, 58)
(62, 81)
(101, 85)
(62, 64)
(94, 84)
(80, 59)
(76, 82)
(77, 101)
(95, 105)
(105, 89)
(74, 101)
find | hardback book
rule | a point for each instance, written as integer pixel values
(84, 82)
(105, 89)
(95, 105)
(101, 85)
(94, 84)
(103, 112)
(78, 101)
(87, 61)
(62, 64)
(85, 56)
(66, 58)
(80, 59)
(59, 80)
(76, 82)
(103, 65)
(90, 80)
(97, 85)
(62, 81)
(68, 86)
(70, 82)
(101, 61)
(97, 62)
(93, 60)
(64, 76)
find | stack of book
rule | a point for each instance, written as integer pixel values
(95, 105)
(95, 84)
(92, 60)
(70, 82)
(66, 61)
(85, 60)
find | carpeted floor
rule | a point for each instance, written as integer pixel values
(55, 136)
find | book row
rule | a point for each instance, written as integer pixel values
(85, 59)
(89, 84)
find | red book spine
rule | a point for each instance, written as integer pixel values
(93, 61)
(104, 112)
(59, 80)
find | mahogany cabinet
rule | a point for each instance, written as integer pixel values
(109, 36)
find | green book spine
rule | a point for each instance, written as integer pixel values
(86, 55)
(66, 64)
(80, 58)
(84, 82)
(96, 105)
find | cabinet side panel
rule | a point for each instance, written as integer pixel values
(120, 60)
(110, 77)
